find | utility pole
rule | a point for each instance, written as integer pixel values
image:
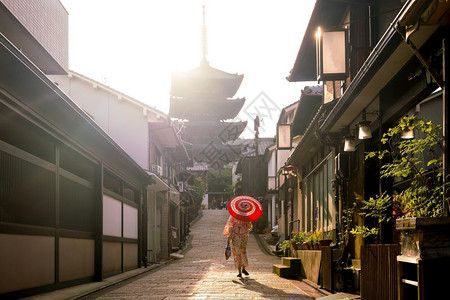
(256, 129)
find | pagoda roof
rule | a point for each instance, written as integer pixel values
(205, 109)
(214, 155)
(198, 132)
(205, 81)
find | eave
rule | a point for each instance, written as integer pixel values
(307, 107)
(28, 91)
(309, 143)
(205, 81)
(384, 62)
(326, 14)
(205, 109)
(120, 96)
(388, 57)
(290, 109)
(216, 132)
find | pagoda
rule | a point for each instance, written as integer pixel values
(202, 100)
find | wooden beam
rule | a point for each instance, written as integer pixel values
(355, 2)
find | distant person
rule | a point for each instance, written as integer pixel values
(237, 232)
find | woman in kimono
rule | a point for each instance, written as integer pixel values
(237, 232)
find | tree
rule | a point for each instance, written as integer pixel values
(198, 190)
(220, 181)
(418, 162)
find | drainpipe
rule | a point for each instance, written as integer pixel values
(273, 211)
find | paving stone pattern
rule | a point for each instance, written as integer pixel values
(205, 274)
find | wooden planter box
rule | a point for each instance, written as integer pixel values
(297, 246)
(311, 260)
(425, 249)
(424, 238)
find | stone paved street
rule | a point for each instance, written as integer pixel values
(205, 274)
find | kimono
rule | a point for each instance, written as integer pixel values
(237, 231)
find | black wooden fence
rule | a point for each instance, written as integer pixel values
(379, 271)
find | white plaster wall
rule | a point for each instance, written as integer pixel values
(129, 127)
(125, 122)
(283, 155)
(272, 164)
(130, 222)
(112, 216)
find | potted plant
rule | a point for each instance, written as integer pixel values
(316, 236)
(297, 239)
(307, 244)
(325, 241)
(285, 246)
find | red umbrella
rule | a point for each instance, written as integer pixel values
(245, 208)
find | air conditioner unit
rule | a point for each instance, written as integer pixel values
(157, 170)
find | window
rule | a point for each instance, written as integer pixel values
(26, 136)
(76, 164)
(129, 193)
(317, 197)
(117, 186)
(27, 192)
(76, 206)
(112, 183)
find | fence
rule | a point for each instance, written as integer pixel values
(379, 271)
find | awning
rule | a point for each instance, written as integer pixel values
(174, 195)
(159, 185)
(164, 133)
(166, 137)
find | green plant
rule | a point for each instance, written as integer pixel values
(197, 190)
(378, 208)
(285, 245)
(347, 219)
(298, 237)
(316, 235)
(308, 237)
(420, 161)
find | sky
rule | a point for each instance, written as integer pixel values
(134, 46)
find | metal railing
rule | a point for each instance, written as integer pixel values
(291, 227)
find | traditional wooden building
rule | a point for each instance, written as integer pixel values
(378, 61)
(149, 137)
(70, 197)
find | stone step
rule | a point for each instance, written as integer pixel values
(292, 262)
(284, 271)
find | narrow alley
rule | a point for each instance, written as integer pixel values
(205, 274)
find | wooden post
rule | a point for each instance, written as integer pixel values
(446, 123)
